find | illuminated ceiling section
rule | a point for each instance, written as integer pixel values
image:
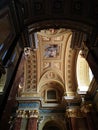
(53, 65)
(84, 74)
(51, 49)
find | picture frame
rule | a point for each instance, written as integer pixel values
(51, 51)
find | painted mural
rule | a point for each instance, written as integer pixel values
(51, 51)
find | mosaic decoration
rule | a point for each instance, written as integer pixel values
(51, 51)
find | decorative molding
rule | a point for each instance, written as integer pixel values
(28, 105)
(86, 107)
(51, 111)
(52, 33)
(70, 69)
(34, 114)
(19, 113)
(74, 112)
(30, 71)
(60, 24)
(27, 113)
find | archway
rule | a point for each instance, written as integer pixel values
(52, 125)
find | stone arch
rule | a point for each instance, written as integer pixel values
(59, 123)
(52, 81)
(70, 69)
(53, 125)
(70, 74)
(51, 92)
(50, 76)
(71, 57)
(60, 23)
(53, 70)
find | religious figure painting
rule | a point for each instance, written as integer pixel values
(51, 51)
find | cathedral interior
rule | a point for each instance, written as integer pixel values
(48, 65)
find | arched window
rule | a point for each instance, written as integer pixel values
(84, 74)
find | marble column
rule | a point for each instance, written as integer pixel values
(24, 120)
(73, 114)
(89, 121)
(32, 121)
(18, 120)
(74, 123)
(94, 116)
(87, 109)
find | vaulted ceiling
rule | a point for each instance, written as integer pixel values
(51, 64)
(53, 33)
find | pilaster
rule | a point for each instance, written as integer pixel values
(18, 120)
(73, 113)
(87, 109)
(32, 121)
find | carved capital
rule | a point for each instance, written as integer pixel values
(33, 113)
(25, 114)
(73, 112)
(19, 113)
(85, 108)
